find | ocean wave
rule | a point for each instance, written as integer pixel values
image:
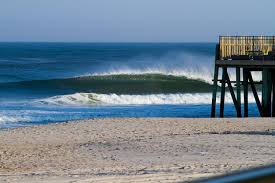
(5, 119)
(191, 61)
(180, 63)
(152, 99)
(120, 84)
(203, 74)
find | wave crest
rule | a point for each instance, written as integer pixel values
(198, 67)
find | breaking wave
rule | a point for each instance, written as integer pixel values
(119, 84)
(151, 99)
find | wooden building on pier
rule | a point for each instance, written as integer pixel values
(245, 54)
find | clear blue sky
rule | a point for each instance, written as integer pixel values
(134, 20)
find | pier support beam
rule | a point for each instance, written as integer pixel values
(214, 95)
(266, 108)
(236, 104)
(215, 84)
(245, 92)
(224, 72)
(266, 92)
(238, 85)
(273, 94)
(254, 90)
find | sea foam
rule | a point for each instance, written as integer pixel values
(11, 119)
(150, 99)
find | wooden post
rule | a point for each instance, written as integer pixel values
(214, 95)
(238, 85)
(236, 104)
(224, 70)
(245, 92)
(215, 84)
(273, 94)
(266, 92)
(253, 87)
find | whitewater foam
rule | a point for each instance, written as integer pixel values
(151, 99)
(5, 119)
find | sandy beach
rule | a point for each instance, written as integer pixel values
(134, 150)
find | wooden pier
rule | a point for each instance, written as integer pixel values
(245, 54)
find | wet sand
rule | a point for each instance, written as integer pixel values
(134, 150)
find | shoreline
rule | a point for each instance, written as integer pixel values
(136, 149)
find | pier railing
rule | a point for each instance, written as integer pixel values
(241, 46)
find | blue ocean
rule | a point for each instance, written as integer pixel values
(43, 83)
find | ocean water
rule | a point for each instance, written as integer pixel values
(44, 83)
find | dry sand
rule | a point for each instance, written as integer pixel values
(134, 150)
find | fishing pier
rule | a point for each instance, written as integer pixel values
(245, 55)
